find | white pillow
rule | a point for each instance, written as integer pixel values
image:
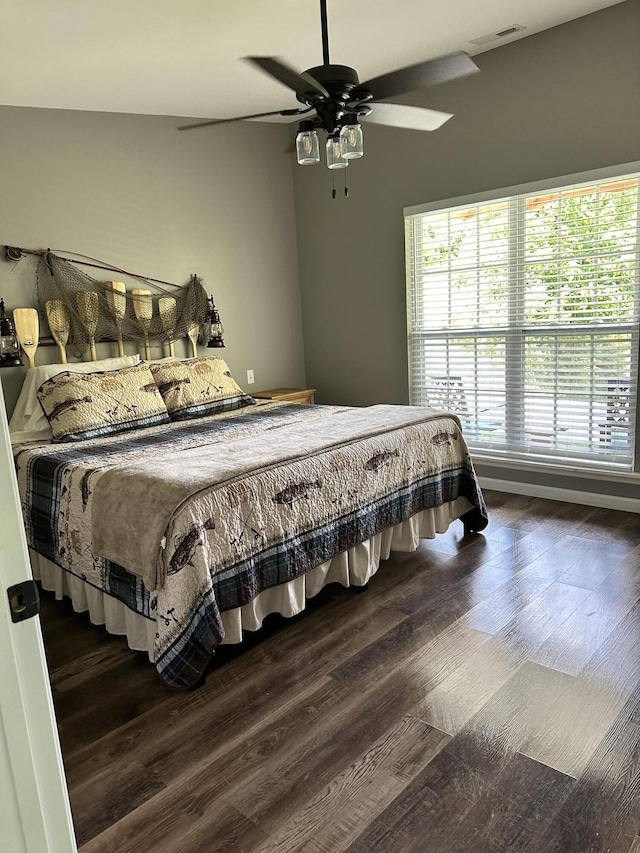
(28, 422)
(167, 359)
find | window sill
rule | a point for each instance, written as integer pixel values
(545, 467)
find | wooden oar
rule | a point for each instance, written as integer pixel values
(28, 331)
(87, 304)
(59, 325)
(117, 301)
(143, 309)
(192, 333)
(168, 317)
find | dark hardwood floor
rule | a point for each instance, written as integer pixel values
(482, 695)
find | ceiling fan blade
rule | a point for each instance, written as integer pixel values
(301, 84)
(241, 118)
(429, 73)
(411, 118)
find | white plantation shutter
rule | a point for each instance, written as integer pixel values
(523, 319)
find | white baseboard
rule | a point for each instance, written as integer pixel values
(555, 494)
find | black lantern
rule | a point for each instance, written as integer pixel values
(213, 327)
(9, 346)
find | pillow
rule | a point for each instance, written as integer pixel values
(28, 422)
(194, 387)
(80, 406)
(167, 359)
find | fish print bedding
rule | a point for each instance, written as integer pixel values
(186, 520)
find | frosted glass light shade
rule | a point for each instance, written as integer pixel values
(352, 141)
(335, 158)
(307, 148)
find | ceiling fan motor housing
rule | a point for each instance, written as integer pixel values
(341, 82)
(338, 80)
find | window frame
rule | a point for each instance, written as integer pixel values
(506, 457)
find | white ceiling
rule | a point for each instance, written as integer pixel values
(181, 57)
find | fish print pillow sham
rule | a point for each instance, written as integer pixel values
(80, 406)
(195, 387)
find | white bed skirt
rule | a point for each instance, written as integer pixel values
(350, 568)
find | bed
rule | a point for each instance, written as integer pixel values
(181, 534)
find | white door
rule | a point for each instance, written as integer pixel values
(34, 805)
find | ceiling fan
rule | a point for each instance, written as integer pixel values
(334, 99)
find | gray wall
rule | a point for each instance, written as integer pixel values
(556, 103)
(134, 191)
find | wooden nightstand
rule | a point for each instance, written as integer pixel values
(290, 395)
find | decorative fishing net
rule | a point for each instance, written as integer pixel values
(90, 311)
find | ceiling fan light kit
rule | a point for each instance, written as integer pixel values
(307, 144)
(335, 151)
(338, 99)
(351, 138)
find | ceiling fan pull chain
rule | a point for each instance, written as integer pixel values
(346, 188)
(333, 184)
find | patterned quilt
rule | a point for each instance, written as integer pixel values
(187, 520)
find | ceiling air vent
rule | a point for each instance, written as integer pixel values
(500, 34)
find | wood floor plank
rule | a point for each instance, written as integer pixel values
(231, 834)
(244, 690)
(555, 605)
(84, 667)
(518, 718)
(616, 662)
(581, 561)
(467, 798)
(516, 512)
(332, 820)
(611, 526)
(67, 632)
(576, 640)
(204, 776)
(329, 714)
(426, 667)
(455, 700)
(556, 719)
(579, 718)
(223, 705)
(426, 628)
(545, 518)
(498, 609)
(506, 818)
(590, 702)
(88, 708)
(490, 588)
(185, 827)
(313, 761)
(494, 499)
(96, 808)
(608, 792)
(469, 578)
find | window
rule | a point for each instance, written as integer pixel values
(523, 319)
